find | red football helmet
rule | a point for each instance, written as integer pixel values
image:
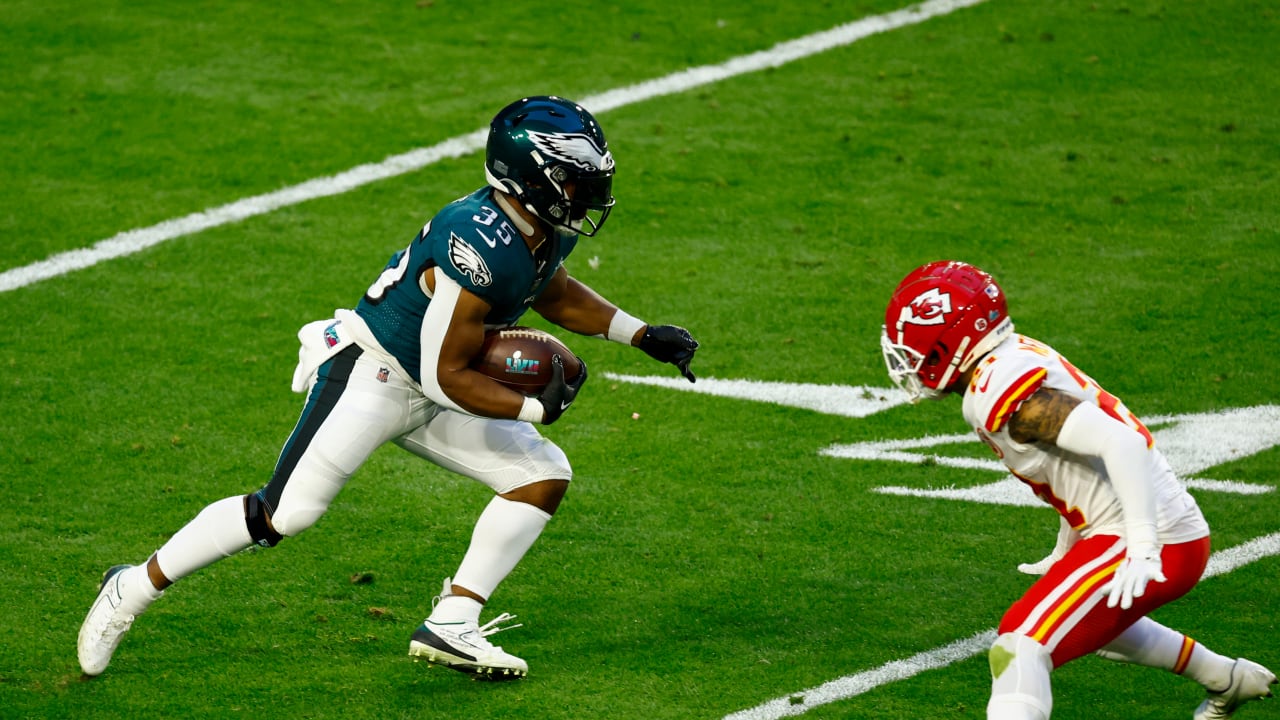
(940, 320)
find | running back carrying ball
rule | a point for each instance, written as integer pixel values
(520, 358)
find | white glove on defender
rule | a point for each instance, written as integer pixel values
(1140, 566)
(1039, 568)
(1067, 538)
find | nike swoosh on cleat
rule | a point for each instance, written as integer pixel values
(426, 637)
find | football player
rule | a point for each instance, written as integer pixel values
(1130, 539)
(395, 369)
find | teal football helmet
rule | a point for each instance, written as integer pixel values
(550, 153)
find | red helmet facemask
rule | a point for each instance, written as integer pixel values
(940, 320)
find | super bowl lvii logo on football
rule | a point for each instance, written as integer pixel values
(521, 366)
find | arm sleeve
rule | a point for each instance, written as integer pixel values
(1090, 431)
(1067, 537)
(435, 323)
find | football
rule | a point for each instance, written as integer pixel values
(520, 358)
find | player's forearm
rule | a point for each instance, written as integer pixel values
(580, 309)
(1090, 431)
(474, 393)
(1067, 537)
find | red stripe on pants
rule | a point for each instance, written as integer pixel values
(1078, 621)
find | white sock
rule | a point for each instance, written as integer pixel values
(1151, 644)
(456, 608)
(136, 591)
(503, 534)
(1020, 688)
(217, 532)
(1208, 668)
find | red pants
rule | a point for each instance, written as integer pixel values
(1066, 610)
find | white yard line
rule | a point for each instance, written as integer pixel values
(132, 241)
(844, 400)
(850, 685)
(800, 702)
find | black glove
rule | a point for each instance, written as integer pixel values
(559, 394)
(670, 344)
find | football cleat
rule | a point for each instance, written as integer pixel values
(105, 624)
(1249, 681)
(462, 646)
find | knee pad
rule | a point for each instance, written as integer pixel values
(1020, 688)
(258, 520)
(1016, 648)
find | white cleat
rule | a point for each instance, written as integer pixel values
(105, 624)
(1249, 681)
(462, 646)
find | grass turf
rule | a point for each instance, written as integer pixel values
(1114, 164)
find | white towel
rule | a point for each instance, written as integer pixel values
(320, 340)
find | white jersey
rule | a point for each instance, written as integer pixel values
(1076, 486)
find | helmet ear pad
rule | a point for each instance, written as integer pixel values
(547, 193)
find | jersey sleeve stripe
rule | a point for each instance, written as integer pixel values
(1020, 390)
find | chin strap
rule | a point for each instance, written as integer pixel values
(954, 365)
(517, 217)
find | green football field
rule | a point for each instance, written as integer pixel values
(186, 184)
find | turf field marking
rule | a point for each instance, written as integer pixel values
(1193, 442)
(853, 685)
(844, 400)
(843, 688)
(132, 241)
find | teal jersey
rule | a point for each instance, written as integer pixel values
(475, 243)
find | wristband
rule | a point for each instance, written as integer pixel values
(623, 327)
(531, 411)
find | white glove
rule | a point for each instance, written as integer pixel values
(1039, 568)
(1140, 566)
(1067, 538)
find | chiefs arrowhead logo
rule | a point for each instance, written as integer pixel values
(928, 308)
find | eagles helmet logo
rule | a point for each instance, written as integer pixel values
(577, 149)
(469, 262)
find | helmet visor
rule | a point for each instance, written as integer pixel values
(591, 202)
(594, 190)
